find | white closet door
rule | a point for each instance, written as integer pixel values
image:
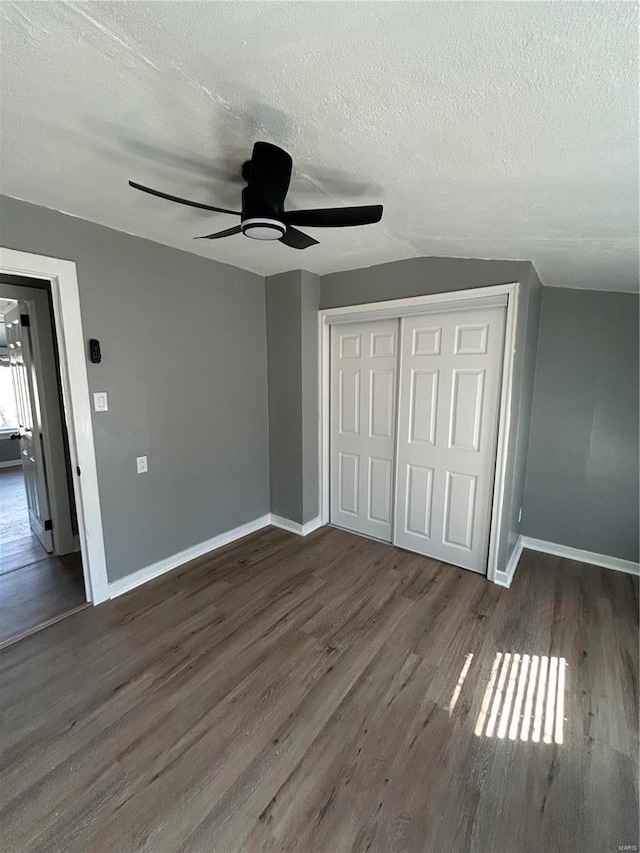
(448, 414)
(364, 360)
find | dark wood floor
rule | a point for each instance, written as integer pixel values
(35, 587)
(35, 595)
(329, 694)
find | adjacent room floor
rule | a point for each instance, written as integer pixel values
(329, 694)
(34, 586)
(18, 545)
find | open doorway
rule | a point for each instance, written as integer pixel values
(41, 572)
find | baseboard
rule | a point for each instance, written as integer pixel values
(294, 527)
(136, 579)
(581, 556)
(502, 578)
(505, 578)
(11, 463)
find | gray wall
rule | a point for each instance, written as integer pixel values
(310, 304)
(285, 394)
(419, 276)
(582, 473)
(416, 277)
(184, 364)
(293, 299)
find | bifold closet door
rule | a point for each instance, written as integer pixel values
(364, 359)
(450, 376)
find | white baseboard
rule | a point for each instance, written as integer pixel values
(131, 581)
(294, 527)
(505, 578)
(136, 579)
(11, 463)
(581, 556)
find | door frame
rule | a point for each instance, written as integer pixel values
(28, 393)
(482, 297)
(77, 408)
(37, 302)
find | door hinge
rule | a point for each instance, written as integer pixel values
(48, 525)
(25, 320)
(78, 472)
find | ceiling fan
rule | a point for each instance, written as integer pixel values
(263, 216)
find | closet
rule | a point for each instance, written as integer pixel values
(414, 405)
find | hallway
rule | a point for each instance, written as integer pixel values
(36, 588)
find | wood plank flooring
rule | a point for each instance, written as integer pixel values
(37, 594)
(18, 545)
(329, 694)
(35, 587)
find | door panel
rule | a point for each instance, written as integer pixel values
(383, 344)
(349, 402)
(363, 415)
(424, 406)
(383, 403)
(471, 339)
(426, 340)
(380, 489)
(450, 373)
(349, 480)
(460, 508)
(419, 500)
(466, 410)
(31, 449)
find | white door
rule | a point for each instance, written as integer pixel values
(30, 432)
(364, 359)
(450, 377)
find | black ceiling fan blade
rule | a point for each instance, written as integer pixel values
(181, 200)
(335, 217)
(269, 174)
(228, 233)
(297, 240)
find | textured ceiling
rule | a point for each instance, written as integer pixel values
(493, 130)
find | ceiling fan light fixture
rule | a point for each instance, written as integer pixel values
(268, 174)
(260, 228)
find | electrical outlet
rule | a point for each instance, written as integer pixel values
(141, 463)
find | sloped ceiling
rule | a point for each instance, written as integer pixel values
(494, 130)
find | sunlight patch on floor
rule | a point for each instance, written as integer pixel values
(524, 698)
(461, 680)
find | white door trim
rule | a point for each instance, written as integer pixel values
(75, 393)
(454, 300)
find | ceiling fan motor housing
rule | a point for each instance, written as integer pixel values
(259, 220)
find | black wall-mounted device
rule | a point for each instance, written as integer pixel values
(94, 351)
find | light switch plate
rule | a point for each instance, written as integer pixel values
(141, 463)
(100, 402)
